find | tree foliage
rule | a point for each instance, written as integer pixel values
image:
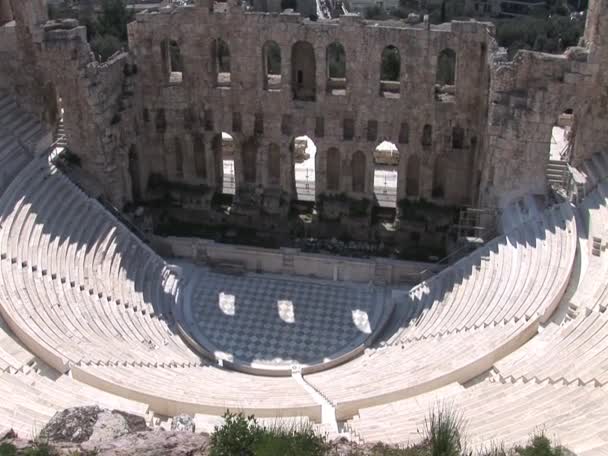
(108, 33)
(551, 34)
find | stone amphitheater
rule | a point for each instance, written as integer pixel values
(514, 334)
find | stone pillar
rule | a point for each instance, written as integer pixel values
(6, 12)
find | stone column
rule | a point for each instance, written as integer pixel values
(6, 13)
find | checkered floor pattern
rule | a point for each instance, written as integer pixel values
(260, 319)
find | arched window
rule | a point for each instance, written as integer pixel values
(272, 65)
(221, 62)
(457, 137)
(446, 67)
(404, 133)
(179, 159)
(274, 165)
(332, 167)
(200, 157)
(249, 161)
(358, 165)
(390, 71)
(413, 171)
(134, 173)
(336, 69)
(439, 178)
(303, 76)
(173, 65)
(427, 136)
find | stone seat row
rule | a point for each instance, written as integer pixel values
(518, 275)
(29, 400)
(498, 412)
(45, 247)
(65, 309)
(573, 353)
(494, 315)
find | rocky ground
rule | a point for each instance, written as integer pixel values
(92, 431)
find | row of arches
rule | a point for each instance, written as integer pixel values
(306, 170)
(303, 67)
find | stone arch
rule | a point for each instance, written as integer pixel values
(220, 53)
(412, 184)
(336, 68)
(446, 67)
(271, 55)
(179, 157)
(332, 169)
(173, 65)
(390, 71)
(427, 136)
(249, 155)
(358, 166)
(404, 133)
(225, 166)
(273, 162)
(439, 178)
(303, 71)
(200, 156)
(304, 155)
(457, 137)
(134, 173)
(386, 173)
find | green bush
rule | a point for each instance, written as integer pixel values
(8, 449)
(443, 429)
(236, 437)
(540, 445)
(243, 436)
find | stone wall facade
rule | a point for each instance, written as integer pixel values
(480, 137)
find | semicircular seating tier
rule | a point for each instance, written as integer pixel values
(556, 382)
(467, 317)
(82, 293)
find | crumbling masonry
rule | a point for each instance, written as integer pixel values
(477, 135)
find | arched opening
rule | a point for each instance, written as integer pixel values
(386, 172)
(336, 69)
(200, 156)
(274, 165)
(457, 137)
(439, 178)
(249, 155)
(412, 185)
(272, 66)
(332, 170)
(303, 68)
(179, 158)
(445, 77)
(134, 173)
(223, 152)
(358, 170)
(304, 153)
(561, 146)
(562, 137)
(427, 136)
(221, 62)
(390, 72)
(172, 61)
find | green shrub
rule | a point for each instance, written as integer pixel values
(236, 437)
(8, 449)
(243, 436)
(443, 431)
(539, 445)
